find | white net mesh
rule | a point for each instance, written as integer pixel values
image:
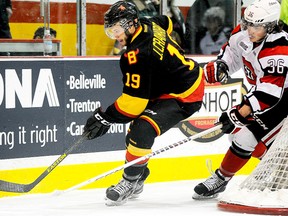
(267, 185)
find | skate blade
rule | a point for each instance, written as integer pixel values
(201, 197)
(109, 202)
(134, 196)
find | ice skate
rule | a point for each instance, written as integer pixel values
(125, 189)
(211, 188)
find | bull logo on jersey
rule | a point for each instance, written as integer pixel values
(132, 56)
(248, 73)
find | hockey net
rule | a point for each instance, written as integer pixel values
(265, 190)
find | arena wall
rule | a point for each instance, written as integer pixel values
(45, 103)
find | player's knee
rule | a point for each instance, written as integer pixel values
(141, 134)
(240, 151)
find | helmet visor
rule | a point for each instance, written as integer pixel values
(257, 27)
(114, 30)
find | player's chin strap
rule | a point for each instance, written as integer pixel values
(145, 157)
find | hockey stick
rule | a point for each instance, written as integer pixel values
(156, 152)
(23, 188)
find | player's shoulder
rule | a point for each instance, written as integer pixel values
(160, 19)
(237, 34)
(236, 30)
(163, 21)
(275, 45)
(237, 37)
(142, 39)
(277, 39)
(143, 36)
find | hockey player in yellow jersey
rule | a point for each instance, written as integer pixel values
(161, 87)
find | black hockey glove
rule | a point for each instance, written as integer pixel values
(232, 120)
(216, 71)
(97, 125)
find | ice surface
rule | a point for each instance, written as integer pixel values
(168, 198)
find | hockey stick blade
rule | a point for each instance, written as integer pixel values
(24, 188)
(152, 154)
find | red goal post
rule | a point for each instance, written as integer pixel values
(265, 190)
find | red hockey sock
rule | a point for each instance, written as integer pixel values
(260, 150)
(231, 164)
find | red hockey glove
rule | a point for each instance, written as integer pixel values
(216, 71)
(232, 120)
(97, 125)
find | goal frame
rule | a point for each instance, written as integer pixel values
(264, 190)
(233, 207)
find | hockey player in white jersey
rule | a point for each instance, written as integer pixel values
(259, 47)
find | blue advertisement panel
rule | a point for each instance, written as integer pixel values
(44, 105)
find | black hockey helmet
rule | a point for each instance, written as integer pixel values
(122, 13)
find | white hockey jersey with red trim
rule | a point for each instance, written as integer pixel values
(265, 65)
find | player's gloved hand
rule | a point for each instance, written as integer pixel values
(97, 125)
(216, 71)
(232, 120)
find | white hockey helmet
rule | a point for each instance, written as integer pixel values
(262, 12)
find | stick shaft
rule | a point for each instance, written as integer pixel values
(152, 154)
(23, 188)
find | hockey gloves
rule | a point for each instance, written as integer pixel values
(232, 120)
(97, 125)
(216, 71)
